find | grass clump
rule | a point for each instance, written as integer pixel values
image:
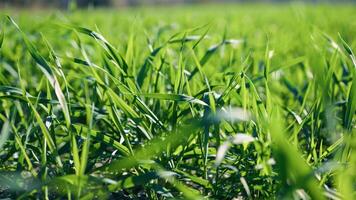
(251, 102)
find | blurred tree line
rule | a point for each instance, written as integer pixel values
(85, 3)
(61, 3)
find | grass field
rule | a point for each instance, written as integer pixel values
(215, 102)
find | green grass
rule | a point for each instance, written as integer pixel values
(218, 102)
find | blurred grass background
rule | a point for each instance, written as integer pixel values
(65, 4)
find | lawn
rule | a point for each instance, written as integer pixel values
(201, 102)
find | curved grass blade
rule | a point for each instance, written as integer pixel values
(351, 101)
(174, 97)
(154, 148)
(102, 138)
(110, 50)
(47, 71)
(195, 179)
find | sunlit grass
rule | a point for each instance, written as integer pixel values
(220, 102)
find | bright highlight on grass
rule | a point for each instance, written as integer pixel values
(215, 102)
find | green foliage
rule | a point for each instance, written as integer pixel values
(218, 102)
